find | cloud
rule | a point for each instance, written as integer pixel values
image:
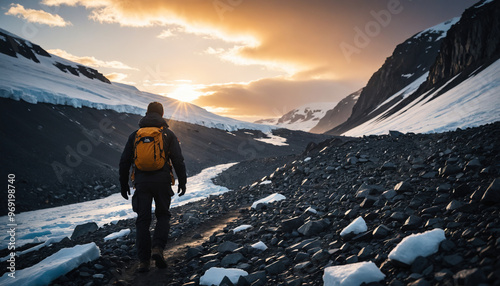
(118, 77)
(271, 97)
(285, 35)
(90, 61)
(37, 16)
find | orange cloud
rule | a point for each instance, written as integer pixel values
(270, 97)
(37, 16)
(294, 36)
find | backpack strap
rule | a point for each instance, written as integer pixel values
(167, 154)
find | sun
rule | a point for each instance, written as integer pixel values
(185, 93)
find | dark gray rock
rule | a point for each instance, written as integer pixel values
(449, 170)
(420, 264)
(412, 222)
(381, 231)
(453, 260)
(470, 277)
(388, 166)
(227, 246)
(492, 194)
(275, 268)
(311, 228)
(232, 259)
(84, 229)
(320, 256)
(291, 224)
(403, 187)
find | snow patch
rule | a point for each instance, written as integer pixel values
(355, 227)
(54, 266)
(259, 245)
(214, 275)
(269, 199)
(273, 140)
(423, 244)
(353, 274)
(115, 235)
(241, 228)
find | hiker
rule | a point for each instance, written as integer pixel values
(152, 178)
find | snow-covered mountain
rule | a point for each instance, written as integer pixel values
(338, 115)
(443, 78)
(302, 118)
(29, 73)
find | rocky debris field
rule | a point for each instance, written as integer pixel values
(400, 184)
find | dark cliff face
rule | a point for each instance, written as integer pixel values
(338, 115)
(14, 46)
(473, 42)
(409, 61)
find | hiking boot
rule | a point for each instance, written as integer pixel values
(143, 267)
(158, 257)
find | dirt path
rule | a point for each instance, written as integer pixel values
(174, 252)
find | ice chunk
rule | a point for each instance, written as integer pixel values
(115, 235)
(214, 275)
(259, 245)
(355, 227)
(53, 266)
(422, 244)
(352, 274)
(269, 199)
(241, 227)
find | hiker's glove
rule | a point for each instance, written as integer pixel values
(125, 191)
(181, 190)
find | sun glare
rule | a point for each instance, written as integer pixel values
(185, 93)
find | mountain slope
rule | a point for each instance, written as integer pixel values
(338, 115)
(302, 118)
(458, 72)
(29, 73)
(61, 154)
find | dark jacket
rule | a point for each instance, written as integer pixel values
(173, 150)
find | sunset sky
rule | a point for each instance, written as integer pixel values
(246, 59)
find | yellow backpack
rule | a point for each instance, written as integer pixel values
(149, 151)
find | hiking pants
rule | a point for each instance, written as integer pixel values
(141, 204)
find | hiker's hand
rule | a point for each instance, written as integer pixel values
(181, 190)
(125, 191)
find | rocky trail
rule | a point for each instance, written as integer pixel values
(400, 184)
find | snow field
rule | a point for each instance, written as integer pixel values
(59, 222)
(471, 103)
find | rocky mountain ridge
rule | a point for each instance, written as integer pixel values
(470, 46)
(338, 115)
(13, 46)
(302, 118)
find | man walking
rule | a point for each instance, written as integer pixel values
(152, 180)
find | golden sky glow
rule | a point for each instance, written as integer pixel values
(248, 59)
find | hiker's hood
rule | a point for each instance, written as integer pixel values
(153, 120)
